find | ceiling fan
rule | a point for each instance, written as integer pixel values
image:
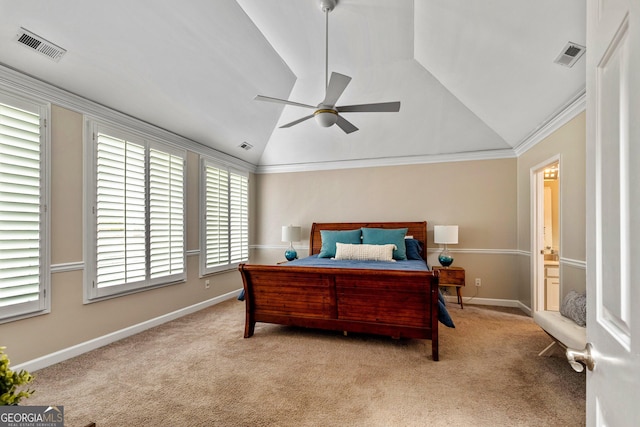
(327, 113)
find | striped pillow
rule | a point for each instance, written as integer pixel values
(365, 252)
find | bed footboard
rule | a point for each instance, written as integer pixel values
(400, 304)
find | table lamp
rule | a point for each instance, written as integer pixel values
(445, 234)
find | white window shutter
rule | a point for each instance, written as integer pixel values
(120, 212)
(225, 238)
(239, 212)
(166, 214)
(139, 214)
(20, 211)
(217, 217)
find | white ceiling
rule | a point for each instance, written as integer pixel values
(472, 75)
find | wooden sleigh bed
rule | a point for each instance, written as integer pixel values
(400, 304)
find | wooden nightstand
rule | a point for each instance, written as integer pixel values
(451, 276)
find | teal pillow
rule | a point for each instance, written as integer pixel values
(384, 236)
(331, 237)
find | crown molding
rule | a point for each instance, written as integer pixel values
(23, 84)
(571, 109)
(388, 161)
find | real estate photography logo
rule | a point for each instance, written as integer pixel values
(31, 416)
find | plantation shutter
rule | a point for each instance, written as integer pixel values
(225, 238)
(21, 259)
(120, 212)
(216, 217)
(239, 217)
(166, 214)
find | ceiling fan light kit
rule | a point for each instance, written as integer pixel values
(326, 117)
(327, 113)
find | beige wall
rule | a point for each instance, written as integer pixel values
(568, 142)
(478, 196)
(71, 322)
(488, 199)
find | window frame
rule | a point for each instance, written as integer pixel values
(92, 292)
(231, 263)
(42, 305)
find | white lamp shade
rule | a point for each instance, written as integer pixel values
(291, 233)
(447, 234)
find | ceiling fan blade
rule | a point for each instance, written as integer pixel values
(281, 101)
(288, 125)
(383, 107)
(345, 125)
(337, 84)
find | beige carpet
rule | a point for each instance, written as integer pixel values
(200, 371)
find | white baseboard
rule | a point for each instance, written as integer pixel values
(78, 349)
(489, 301)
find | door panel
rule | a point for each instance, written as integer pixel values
(613, 211)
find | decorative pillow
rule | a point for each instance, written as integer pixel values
(364, 252)
(574, 306)
(414, 247)
(384, 236)
(330, 237)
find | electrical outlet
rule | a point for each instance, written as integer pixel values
(207, 284)
(478, 281)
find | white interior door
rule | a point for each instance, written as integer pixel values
(613, 211)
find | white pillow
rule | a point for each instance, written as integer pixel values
(365, 252)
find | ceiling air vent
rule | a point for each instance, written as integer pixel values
(40, 45)
(570, 54)
(246, 146)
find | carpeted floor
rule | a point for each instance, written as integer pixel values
(200, 371)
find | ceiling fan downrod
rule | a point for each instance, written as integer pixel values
(326, 6)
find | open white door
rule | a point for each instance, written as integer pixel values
(613, 212)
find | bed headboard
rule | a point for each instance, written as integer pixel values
(416, 229)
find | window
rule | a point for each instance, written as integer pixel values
(24, 266)
(224, 238)
(136, 213)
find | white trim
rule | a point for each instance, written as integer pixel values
(563, 261)
(387, 161)
(429, 250)
(498, 302)
(78, 349)
(23, 83)
(567, 112)
(536, 206)
(67, 266)
(573, 263)
(476, 251)
(267, 247)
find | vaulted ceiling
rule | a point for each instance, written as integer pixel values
(472, 76)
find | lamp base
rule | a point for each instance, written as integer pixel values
(445, 259)
(291, 254)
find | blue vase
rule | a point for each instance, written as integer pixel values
(290, 254)
(445, 259)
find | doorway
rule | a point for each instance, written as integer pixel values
(546, 235)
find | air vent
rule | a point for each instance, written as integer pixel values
(570, 54)
(40, 45)
(246, 146)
